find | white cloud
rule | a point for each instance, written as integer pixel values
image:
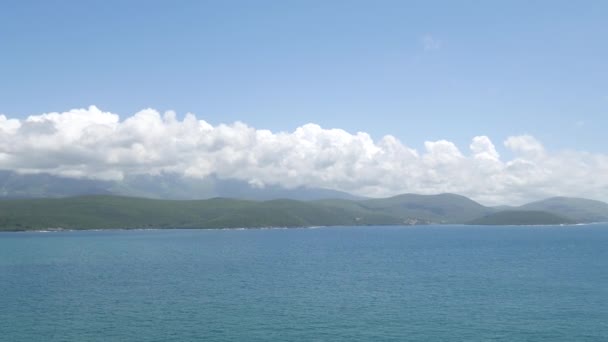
(525, 146)
(95, 144)
(430, 43)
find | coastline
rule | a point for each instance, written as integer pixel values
(66, 230)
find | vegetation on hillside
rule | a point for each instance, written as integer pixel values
(577, 209)
(521, 217)
(100, 212)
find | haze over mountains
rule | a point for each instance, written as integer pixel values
(164, 186)
(44, 201)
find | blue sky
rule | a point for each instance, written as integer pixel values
(419, 70)
(502, 101)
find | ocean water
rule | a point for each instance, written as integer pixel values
(428, 283)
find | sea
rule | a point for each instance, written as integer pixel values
(386, 283)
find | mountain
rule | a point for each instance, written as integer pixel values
(577, 209)
(15, 185)
(503, 207)
(41, 201)
(521, 217)
(163, 186)
(240, 189)
(91, 212)
(103, 211)
(416, 209)
(96, 212)
(441, 208)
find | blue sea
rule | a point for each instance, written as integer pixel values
(421, 283)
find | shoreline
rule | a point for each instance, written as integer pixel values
(62, 230)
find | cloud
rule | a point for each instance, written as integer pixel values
(525, 145)
(90, 143)
(430, 43)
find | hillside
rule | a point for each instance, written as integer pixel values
(577, 209)
(416, 209)
(94, 212)
(521, 217)
(98, 212)
(442, 208)
(102, 211)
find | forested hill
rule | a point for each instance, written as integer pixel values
(102, 212)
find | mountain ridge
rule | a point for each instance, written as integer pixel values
(579, 209)
(108, 211)
(521, 217)
(163, 186)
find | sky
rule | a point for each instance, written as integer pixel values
(514, 81)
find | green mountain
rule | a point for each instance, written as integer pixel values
(97, 212)
(442, 208)
(577, 209)
(521, 217)
(416, 209)
(94, 212)
(102, 211)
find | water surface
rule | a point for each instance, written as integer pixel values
(427, 283)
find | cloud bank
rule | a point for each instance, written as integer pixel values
(90, 143)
